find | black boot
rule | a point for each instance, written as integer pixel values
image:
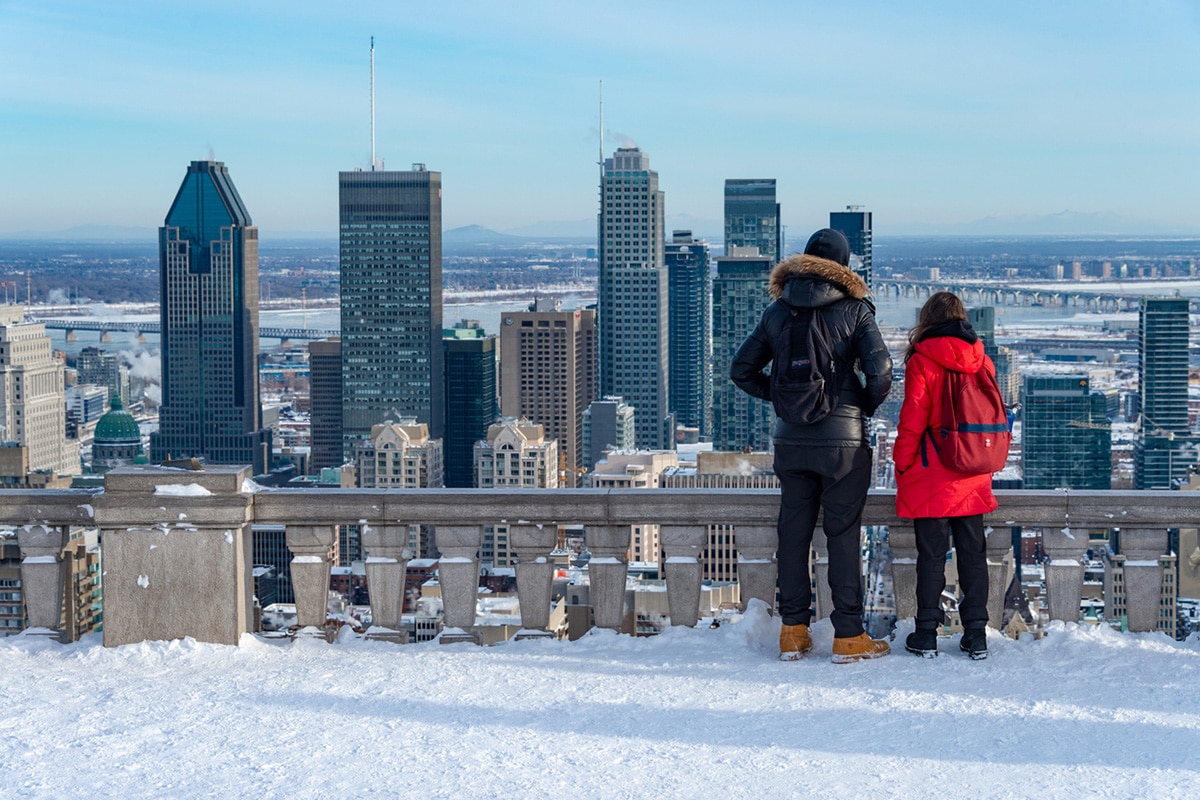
(974, 643)
(922, 642)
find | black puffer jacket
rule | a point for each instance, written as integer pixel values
(806, 281)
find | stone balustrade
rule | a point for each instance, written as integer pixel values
(176, 546)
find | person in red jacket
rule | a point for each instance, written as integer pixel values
(937, 499)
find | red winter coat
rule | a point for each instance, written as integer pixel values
(930, 489)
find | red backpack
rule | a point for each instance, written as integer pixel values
(973, 434)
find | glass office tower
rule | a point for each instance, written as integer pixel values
(391, 301)
(208, 288)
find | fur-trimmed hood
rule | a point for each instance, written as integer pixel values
(829, 281)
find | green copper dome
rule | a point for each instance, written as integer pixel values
(117, 425)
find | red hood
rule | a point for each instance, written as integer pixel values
(952, 353)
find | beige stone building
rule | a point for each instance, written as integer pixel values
(639, 469)
(400, 455)
(517, 454)
(32, 400)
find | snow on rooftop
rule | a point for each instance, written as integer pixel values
(691, 713)
(181, 490)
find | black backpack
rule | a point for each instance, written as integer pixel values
(804, 374)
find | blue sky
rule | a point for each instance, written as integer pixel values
(932, 115)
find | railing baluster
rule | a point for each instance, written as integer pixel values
(458, 574)
(902, 539)
(535, 575)
(609, 546)
(1064, 571)
(1143, 575)
(311, 546)
(42, 575)
(681, 546)
(1000, 571)
(757, 568)
(387, 566)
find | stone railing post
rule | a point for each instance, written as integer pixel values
(819, 561)
(458, 576)
(902, 540)
(387, 567)
(1000, 571)
(681, 546)
(1143, 576)
(1064, 571)
(535, 575)
(312, 548)
(758, 571)
(42, 576)
(609, 546)
(177, 554)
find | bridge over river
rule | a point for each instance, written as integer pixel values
(1103, 297)
(142, 327)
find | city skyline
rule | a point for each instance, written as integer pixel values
(1073, 118)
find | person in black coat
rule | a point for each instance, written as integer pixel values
(827, 464)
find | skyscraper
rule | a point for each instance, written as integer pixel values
(752, 217)
(470, 400)
(1163, 450)
(739, 297)
(548, 374)
(391, 300)
(691, 331)
(608, 423)
(1066, 437)
(856, 225)
(208, 287)
(325, 409)
(633, 293)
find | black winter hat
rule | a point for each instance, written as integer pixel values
(830, 244)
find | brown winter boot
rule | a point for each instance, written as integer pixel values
(794, 641)
(855, 648)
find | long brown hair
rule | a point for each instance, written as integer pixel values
(940, 308)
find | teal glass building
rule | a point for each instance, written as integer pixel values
(390, 254)
(1164, 448)
(471, 404)
(208, 286)
(1066, 437)
(739, 296)
(690, 317)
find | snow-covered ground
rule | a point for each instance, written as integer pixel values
(701, 713)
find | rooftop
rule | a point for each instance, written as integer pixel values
(690, 713)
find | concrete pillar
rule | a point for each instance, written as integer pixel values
(177, 554)
(42, 576)
(458, 574)
(535, 575)
(681, 546)
(1000, 571)
(902, 539)
(819, 558)
(758, 571)
(312, 549)
(609, 546)
(1143, 576)
(387, 566)
(1064, 571)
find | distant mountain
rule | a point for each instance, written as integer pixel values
(477, 234)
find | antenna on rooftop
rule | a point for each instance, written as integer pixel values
(601, 161)
(374, 163)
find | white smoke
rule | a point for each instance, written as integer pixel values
(58, 297)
